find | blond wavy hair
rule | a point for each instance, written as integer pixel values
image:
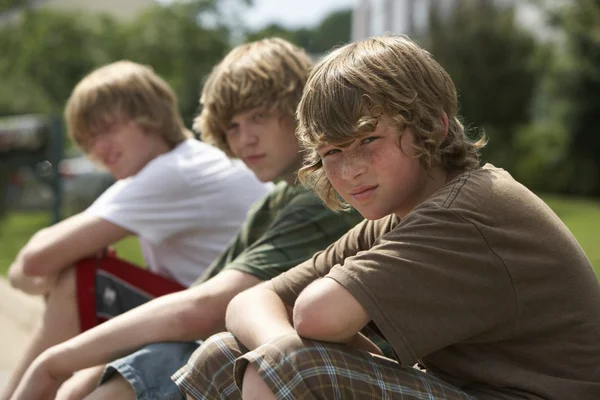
(350, 88)
(123, 92)
(269, 73)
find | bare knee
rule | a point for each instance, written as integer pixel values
(254, 387)
(62, 300)
(80, 384)
(64, 287)
(61, 317)
(116, 388)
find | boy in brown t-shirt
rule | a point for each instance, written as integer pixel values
(461, 268)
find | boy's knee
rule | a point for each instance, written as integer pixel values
(218, 350)
(293, 358)
(116, 388)
(289, 349)
(64, 287)
(61, 302)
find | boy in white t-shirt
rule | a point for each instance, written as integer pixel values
(184, 199)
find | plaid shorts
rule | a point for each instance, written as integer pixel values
(296, 368)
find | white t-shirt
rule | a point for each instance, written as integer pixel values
(185, 206)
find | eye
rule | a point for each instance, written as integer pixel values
(329, 152)
(231, 131)
(258, 117)
(369, 139)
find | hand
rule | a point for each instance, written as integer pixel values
(361, 342)
(33, 285)
(38, 383)
(81, 384)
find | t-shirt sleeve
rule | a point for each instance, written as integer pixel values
(431, 282)
(289, 284)
(301, 229)
(153, 204)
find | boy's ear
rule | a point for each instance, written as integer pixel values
(444, 120)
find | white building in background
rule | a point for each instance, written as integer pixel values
(411, 17)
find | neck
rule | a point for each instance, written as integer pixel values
(434, 180)
(290, 178)
(162, 147)
(291, 174)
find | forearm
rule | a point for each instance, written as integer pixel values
(168, 318)
(34, 285)
(258, 315)
(34, 253)
(361, 342)
(52, 249)
(326, 311)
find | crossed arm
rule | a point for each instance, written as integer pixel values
(191, 314)
(324, 311)
(52, 249)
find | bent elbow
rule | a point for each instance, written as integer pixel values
(312, 321)
(236, 306)
(32, 263)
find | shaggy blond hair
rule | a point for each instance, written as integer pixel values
(268, 73)
(123, 92)
(353, 86)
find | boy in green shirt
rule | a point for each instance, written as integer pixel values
(249, 102)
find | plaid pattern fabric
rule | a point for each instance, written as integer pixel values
(296, 368)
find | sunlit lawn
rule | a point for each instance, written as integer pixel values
(581, 216)
(583, 219)
(17, 228)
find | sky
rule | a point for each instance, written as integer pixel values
(292, 13)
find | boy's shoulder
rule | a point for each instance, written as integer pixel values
(196, 163)
(296, 204)
(480, 188)
(192, 152)
(280, 197)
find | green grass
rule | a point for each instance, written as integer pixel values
(17, 228)
(581, 216)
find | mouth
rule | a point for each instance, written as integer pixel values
(254, 159)
(111, 160)
(363, 193)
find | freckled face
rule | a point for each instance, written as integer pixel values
(378, 174)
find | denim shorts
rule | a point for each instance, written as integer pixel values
(149, 369)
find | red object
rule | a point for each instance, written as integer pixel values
(85, 272)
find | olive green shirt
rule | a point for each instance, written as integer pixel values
(282, 230)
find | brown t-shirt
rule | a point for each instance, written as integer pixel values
(482, 283)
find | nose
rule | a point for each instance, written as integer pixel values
(99, 147)
(248, 135)
(353, 165)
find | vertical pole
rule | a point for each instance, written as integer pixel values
(56, 155)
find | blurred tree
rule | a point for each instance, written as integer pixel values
(177, 46)
(491, 60)
(276, 30)
(580, 89)
(6, 5)
(333, 30)
(44, 55)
